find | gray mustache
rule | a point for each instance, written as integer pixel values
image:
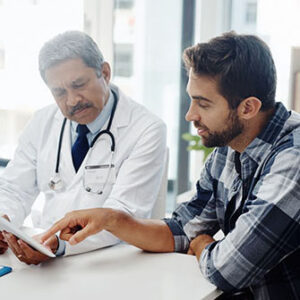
(79, 106)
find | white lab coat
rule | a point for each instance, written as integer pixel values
(139, 160)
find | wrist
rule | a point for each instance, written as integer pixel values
(61, 247)
(199, 244)
(54, 246)
(113, 219)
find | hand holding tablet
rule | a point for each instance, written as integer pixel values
(9, 227)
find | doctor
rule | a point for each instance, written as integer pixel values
(95, 148)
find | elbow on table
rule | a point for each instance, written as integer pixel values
(222, 283)
(227, 278)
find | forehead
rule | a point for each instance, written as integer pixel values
(67, 71)
(203, 86)
(201, 83)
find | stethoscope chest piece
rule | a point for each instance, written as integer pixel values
(56, 183)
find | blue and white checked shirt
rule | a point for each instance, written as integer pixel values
(261, 247)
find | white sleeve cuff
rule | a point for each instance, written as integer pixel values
(61, 247)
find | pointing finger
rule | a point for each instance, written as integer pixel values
(79, 236)
(59, 225)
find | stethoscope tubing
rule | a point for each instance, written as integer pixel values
(59, 145)
(102, 132)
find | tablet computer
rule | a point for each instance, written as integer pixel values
(9, 227)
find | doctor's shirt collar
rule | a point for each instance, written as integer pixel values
(99, 122)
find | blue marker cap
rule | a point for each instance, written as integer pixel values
(4, 270)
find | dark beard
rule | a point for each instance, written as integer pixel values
(223, 138)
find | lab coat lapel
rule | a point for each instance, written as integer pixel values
(100, 153)
(122, 114)
(66, 168)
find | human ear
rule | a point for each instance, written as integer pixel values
(106, 72)
(249, 108)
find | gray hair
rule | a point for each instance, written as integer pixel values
(70, 45)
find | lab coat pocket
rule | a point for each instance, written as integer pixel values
(97, 177)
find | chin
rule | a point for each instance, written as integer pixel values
(86, 120)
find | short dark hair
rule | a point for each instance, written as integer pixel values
(241, 64)
(69, 45)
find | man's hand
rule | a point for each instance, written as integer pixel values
(198, 244)
(149, 235)
(27, 254)
(78, 225)
(3, 244)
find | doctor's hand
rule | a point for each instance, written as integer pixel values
(27, 254)
(3, 244)
(78, 225)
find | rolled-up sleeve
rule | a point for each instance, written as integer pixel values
(197, 216)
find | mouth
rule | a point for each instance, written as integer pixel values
(201, 131)
(79, 111)
(80, 108)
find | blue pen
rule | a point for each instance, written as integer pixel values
(4, 270)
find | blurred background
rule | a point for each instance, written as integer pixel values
(143, 41)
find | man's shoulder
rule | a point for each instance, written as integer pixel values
(47, 112)
(43, 119)
(290, 133)
(137, 111)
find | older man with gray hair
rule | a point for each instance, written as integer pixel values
(95, 148)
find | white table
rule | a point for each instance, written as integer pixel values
(119, 272)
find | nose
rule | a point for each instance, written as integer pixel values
(192, 113)
(73, 98)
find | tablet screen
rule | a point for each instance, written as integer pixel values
(9, 227)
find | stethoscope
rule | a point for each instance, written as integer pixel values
(56, 182)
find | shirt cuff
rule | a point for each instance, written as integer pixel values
(205, 260)
(181, 241)
(61, 247)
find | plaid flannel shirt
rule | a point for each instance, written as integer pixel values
(261, 247)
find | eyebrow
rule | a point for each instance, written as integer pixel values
(78, 80)
(201, 98)
(56, 90)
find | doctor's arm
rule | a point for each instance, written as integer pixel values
(18, 182)
(18, 188)
(149, 235)
(139, 177)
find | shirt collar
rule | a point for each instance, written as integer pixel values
(99, 122)
(269, 135)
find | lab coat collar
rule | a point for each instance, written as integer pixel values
(121, 119)
(122, 115)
